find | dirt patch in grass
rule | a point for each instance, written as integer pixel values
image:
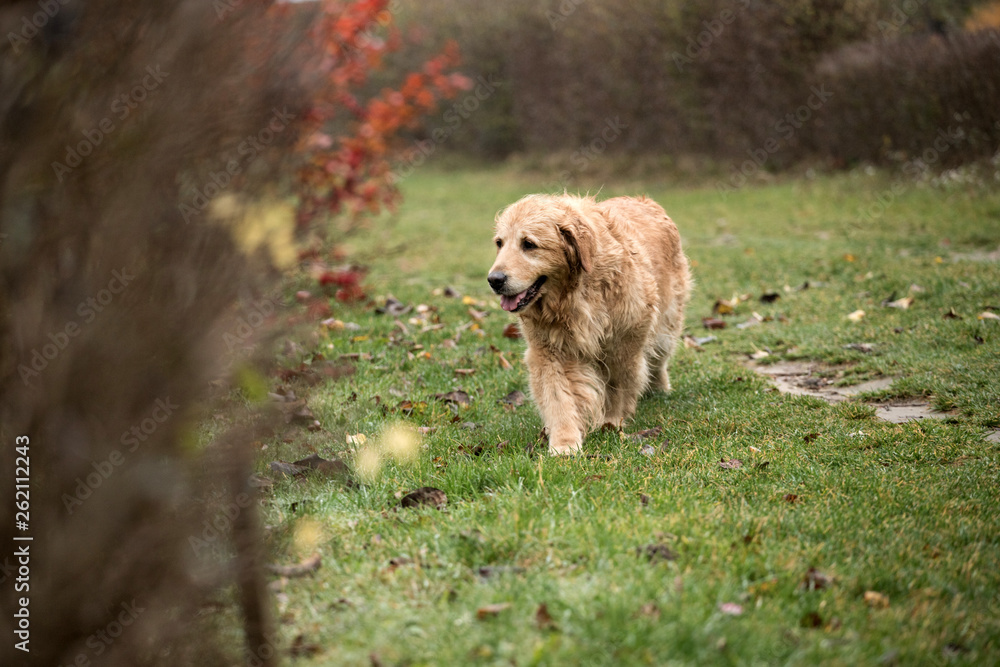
(803, 378)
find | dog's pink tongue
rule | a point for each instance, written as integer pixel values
(509, 303)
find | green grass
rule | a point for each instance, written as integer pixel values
(908, 511)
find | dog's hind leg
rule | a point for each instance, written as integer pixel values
(628, 375)
(669, 331)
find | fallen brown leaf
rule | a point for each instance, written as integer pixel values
(656, 553)
(307, 566)
(287, 469)
(811, 619)
(712, 323)
(769, 297)
(514, 399)
(730, 464)
(492, 610)
(646, 434)
(814, 580)
(543, 619)
(457, 397)
(425, 496)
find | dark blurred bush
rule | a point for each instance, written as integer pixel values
(719, 78)
(893, 99)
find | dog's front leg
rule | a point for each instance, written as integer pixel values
(567, 397)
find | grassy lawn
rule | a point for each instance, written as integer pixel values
(840, 539)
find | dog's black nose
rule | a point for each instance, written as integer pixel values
(497, 280)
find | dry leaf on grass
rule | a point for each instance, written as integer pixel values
(646, 434)
(543, 619)
(457, 397)
(514, 399)
(656, 553)
(902, 304)
(287, 469)
(730, 464)
(492, 610)
(425, 496)
(876, 600)
(769, 297)
(814, 580)
(308, 566)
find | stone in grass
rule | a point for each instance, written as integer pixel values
(425, 496)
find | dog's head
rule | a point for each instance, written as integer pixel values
(543, 243)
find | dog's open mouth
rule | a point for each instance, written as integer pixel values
(519, 302)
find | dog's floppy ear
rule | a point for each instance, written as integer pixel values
(579, 239)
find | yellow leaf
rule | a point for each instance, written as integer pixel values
(856, 316)
(987, 315)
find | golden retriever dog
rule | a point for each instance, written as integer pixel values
(600, 288)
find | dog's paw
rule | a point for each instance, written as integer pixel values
(564, 448)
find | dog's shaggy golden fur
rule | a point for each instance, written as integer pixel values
(600, 288)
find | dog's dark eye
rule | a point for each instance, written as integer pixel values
(499, 243)
(527, 245)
